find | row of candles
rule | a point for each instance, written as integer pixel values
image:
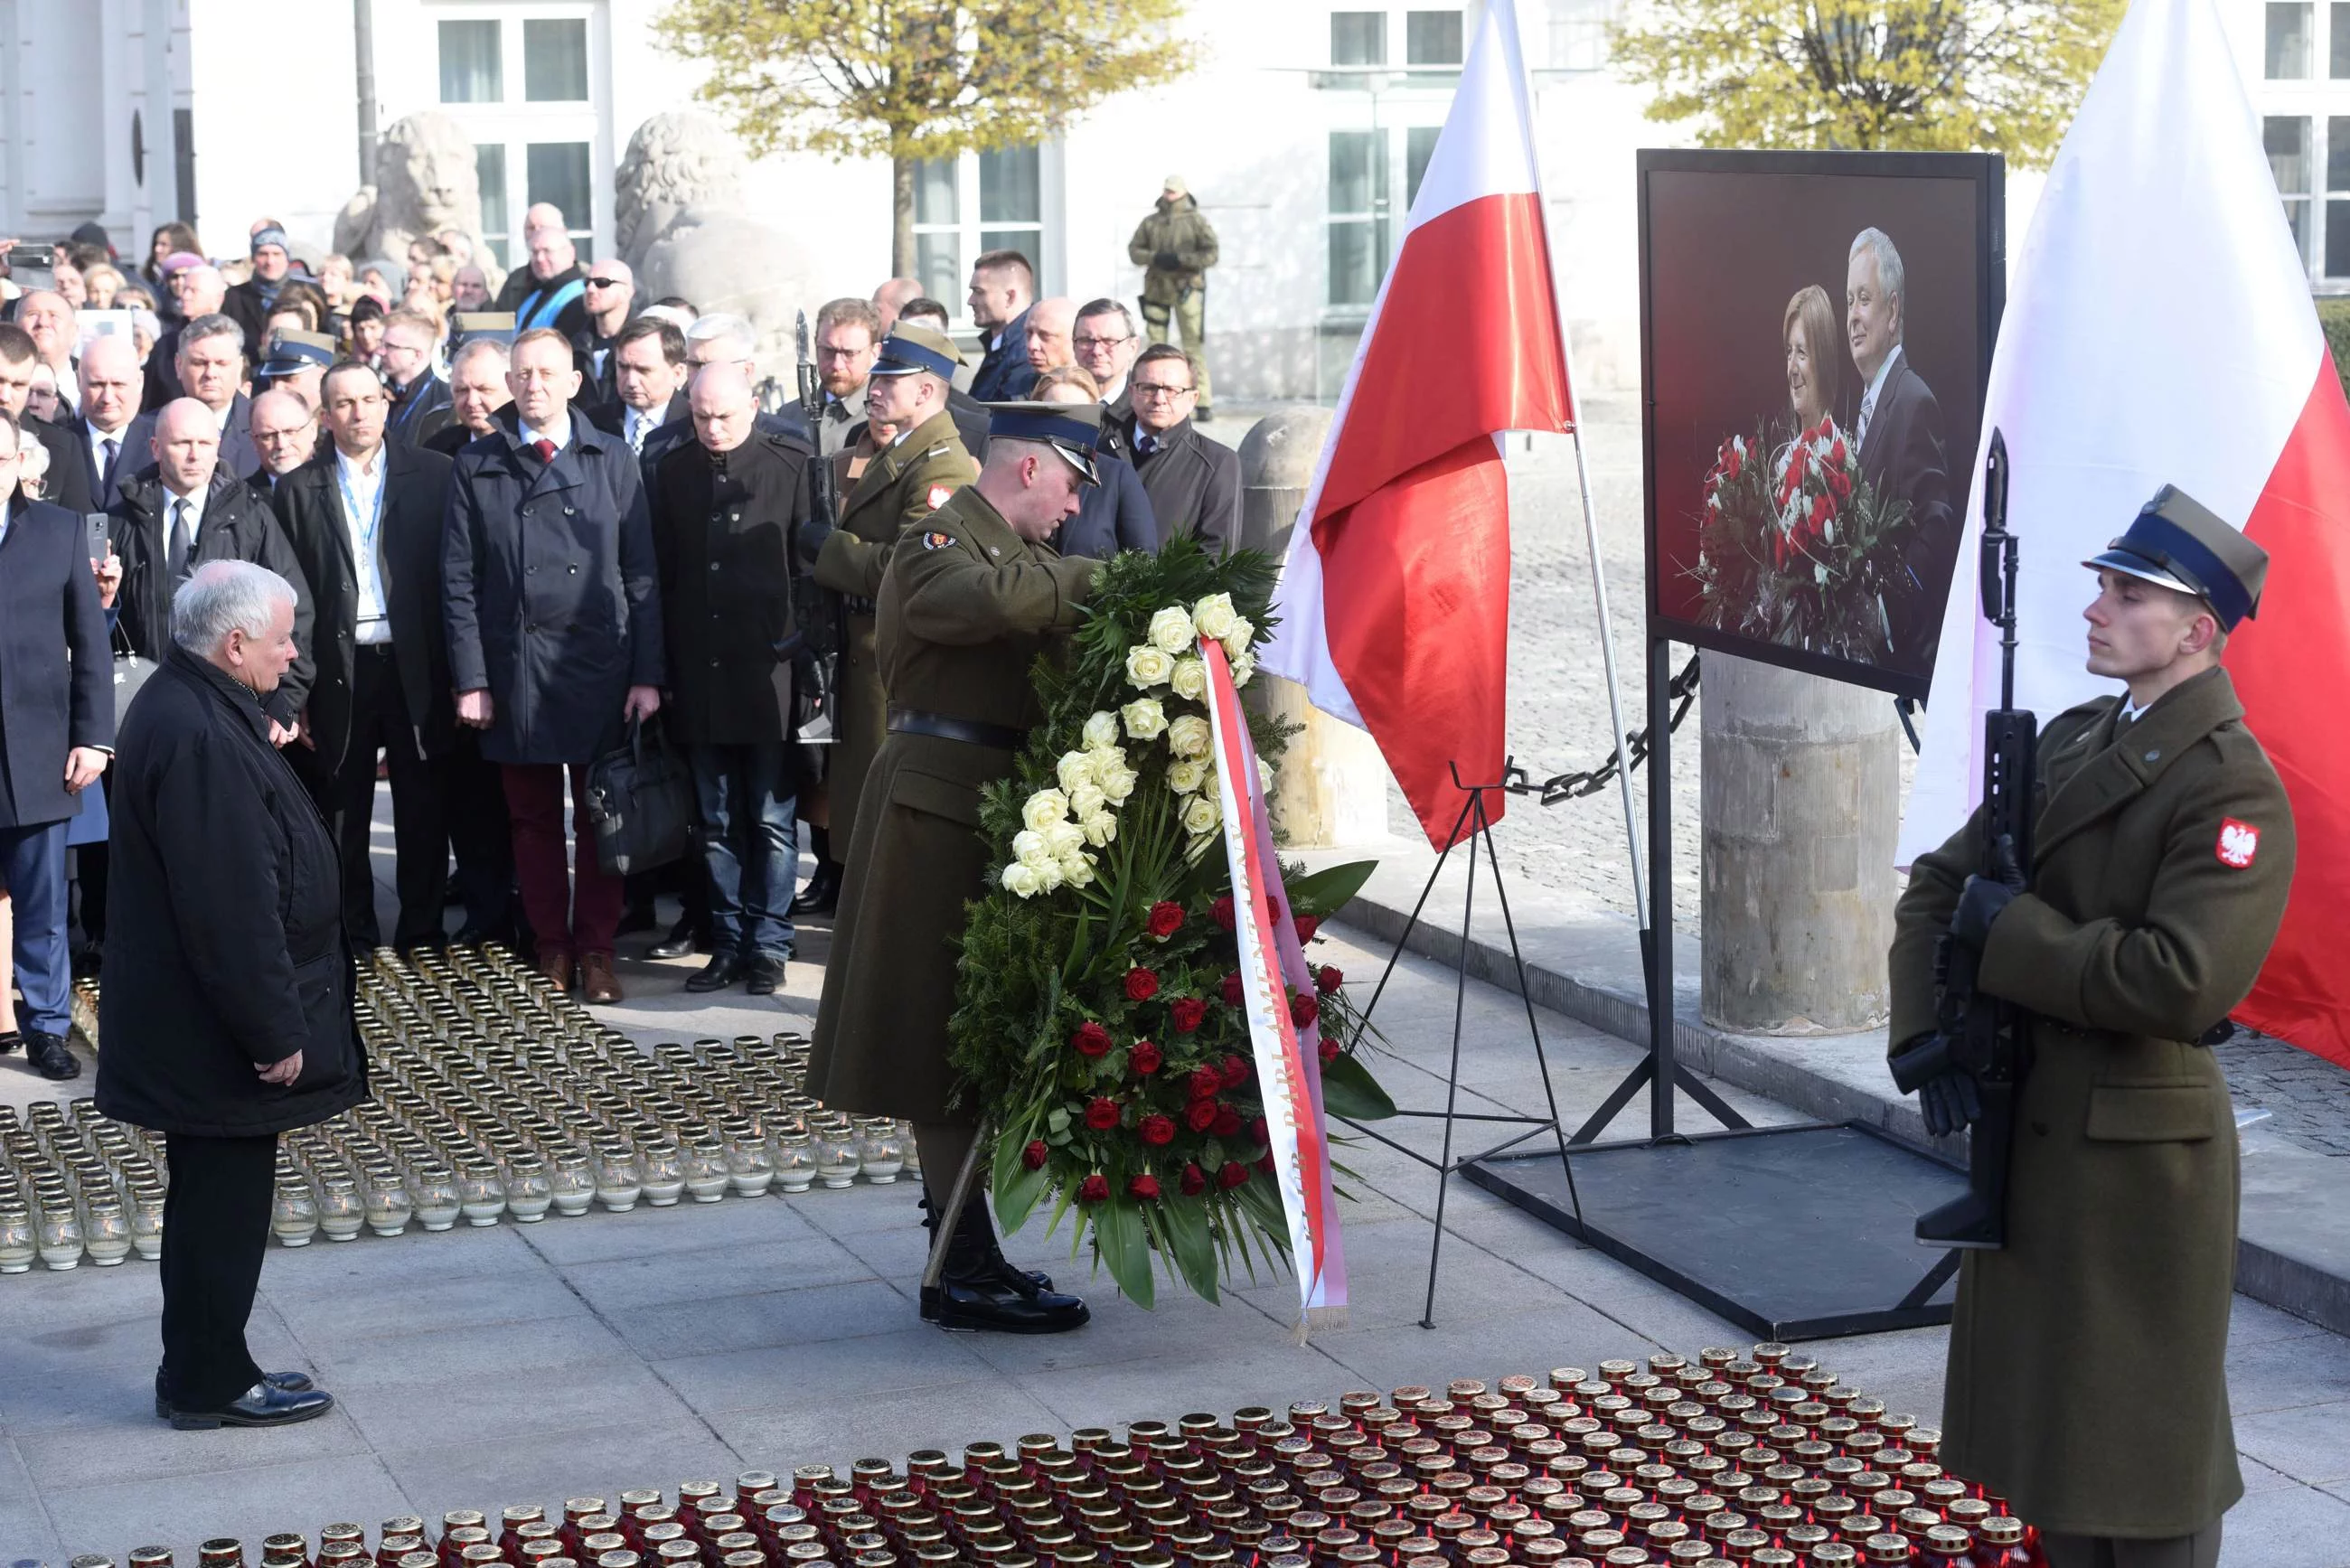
(1758, 1457)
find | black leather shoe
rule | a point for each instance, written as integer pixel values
(259, 1406)
(822, 895)
(636, 918)
(682, 942)
(10, 1040)
(51, 1056)
(991, 1304)
(283, 1382)
(721, 971)
(763, 976)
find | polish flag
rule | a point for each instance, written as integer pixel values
(2160, 331)
(1394, 604)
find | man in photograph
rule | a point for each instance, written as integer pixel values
(1898, 428)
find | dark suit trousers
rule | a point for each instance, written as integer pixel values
(32, 873)
(215, 1229)
(482, 836)
(419, 808)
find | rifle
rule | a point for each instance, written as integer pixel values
(1980, 1036)
(818, 608)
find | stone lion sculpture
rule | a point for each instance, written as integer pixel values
(678, 221)
(424, 182)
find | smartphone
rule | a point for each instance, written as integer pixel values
(32, 266)
(95, 525)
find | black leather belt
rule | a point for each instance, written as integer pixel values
(914, 722)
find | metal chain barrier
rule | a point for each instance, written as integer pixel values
(1559, 788)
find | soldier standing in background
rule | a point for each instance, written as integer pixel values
(1175, 246)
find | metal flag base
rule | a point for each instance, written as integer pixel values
(1474, 827)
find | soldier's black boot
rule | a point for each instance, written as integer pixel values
(1965, 1222)
(978, 1291)
(1037, 1277)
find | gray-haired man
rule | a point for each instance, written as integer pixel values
(1898, 427)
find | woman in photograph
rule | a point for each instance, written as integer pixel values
(1808, 338)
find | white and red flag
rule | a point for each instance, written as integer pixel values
(2160, 332)
(1394, 604)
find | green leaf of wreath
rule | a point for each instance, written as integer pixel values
(1349, 1090)
(1183, 1222)
(1117, 1232)
(1325, 892)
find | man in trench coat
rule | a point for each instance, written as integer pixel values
(967, 604)
(2087, 1363)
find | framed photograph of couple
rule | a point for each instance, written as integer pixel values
(1816, 333)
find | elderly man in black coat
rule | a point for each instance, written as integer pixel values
(1898, 428)
(555, 637)
(364, 523)
(56, 727)
(234, 1020)
(1194, 484)
(730, 516)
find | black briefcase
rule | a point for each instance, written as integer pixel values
(640, 799)
(130, 673)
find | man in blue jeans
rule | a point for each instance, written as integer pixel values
(730, 533)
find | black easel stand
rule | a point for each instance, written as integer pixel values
(1473, 826)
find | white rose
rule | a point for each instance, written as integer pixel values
(1236, 641)
(1100, 828)
(1048, 874)
(1201, 815)
(1106, 757)
(1189, 679)
(1117, 784)
(1186, 777)
(1063, 839)
(1145, 719)
(1101, 729)
(1086, 800)
(1022, 880)
(1171, 630)
(1214, 616)
(1265, 776)
(1075, 769)
(1028, 845)
(1045, 808)
(1242, 668)
(1077, 871)
(1189, 736)
(1146, 666)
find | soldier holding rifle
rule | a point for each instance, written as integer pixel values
(2086, 1380)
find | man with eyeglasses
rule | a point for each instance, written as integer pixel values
(420, 407)
(1194, 484)
(610, 293)
(1105, 344)
(847, 341)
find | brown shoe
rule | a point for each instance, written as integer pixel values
(597, 983)
(555, 964)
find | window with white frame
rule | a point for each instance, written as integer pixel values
(2286, 136)
(985, 202)
(1579, 34)
(521, 80)
(2286, 55)
(1364, 199)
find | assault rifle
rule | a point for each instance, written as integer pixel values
(818, 608)
(1983, 1040)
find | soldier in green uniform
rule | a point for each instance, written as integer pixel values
(2087, 1380)
(968, 601)
(905, 482)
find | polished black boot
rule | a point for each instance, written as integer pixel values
(685, 939)
(822, 894)
(979, 1290)
(1036, 1277)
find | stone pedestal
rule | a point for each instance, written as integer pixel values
(1334, 783)
(1801, 803)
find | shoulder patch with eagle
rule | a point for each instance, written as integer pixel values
(938, 495)
(934, 540)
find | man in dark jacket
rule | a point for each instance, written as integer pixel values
(211, 360)
(239, 1026)
(478, 396)
(649, 372)
(551, 291)
(847, 340)
(67, 484)
(1002, 286)
(1194, 482)
(555, 637)
(365, 524)
(1898, 426)
(249, 302)
(419, 400)
(110, 432)
(187, 510)
(1114, 511)
(57, 728)
(730, 510)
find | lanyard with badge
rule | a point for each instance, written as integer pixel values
(373, 520)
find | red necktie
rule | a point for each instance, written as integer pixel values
(545, 448)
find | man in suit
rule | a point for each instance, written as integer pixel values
(112, 434)
(211, 366)
(419, 400)
(284, 436)
(1194, 484)
(67, 484)
(609, 292)
(57, 734)
(1898, 428)
(551, 291)
(477, 395)
(649, 371)
(44, 314)
(197, 289)
(1105, 343)
(365, 524)
(847, 340)
(1002, 283)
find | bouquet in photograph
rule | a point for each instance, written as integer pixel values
(1796, 549)
(1100, 1024)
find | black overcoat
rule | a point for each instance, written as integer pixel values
(225, 923)
(57, 675)
(548, 584)
(1113, 515)
(1195, 486)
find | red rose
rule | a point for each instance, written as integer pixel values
(1329, 1050)
(1034, 1154)
(1193, 1181)
(1328, 978)
(1188, 1013)
(1157, 1130)
(1232, 1175)
(1205, 1084)
(1304, 1010)
(1141, 984)
(1145, 1186)
(1221, 911)
(1145, 1057)
(1307, 926)
(1265, 1163)
(1236, 1072)
(1233, 992)
(1093, 1189)
(1200, 1115)
(1091, 1039)
(1823, 508)
(1102, 1114)
(1836, 452)
(1166, 918)
(1228, 1121)
(1731, 460)
(1261, 1132)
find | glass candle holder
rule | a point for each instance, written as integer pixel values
(705, 1168)
(387, 1201)
(342, 1212)
(147, 1219)
(106, 1230)
(750, 1163)
(836, 1157)
(529, 1190)
(795, 1159)
(294, 1214)
(18, 1247)
(433, 1196)
(572, 1183)
(480, 1194)
(663, 1164)
(882, 1152)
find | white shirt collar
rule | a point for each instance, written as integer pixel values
(560, 434)
(1112, 393)
(369, 472)
(221, 418)
(1877, 383)
(195, 509)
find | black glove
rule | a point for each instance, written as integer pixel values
(1167, 260)
(1949, 1102)
(1984, 898)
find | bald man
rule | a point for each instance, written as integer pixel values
(1051, 323)
(111, 433)
(610, 295)
(732, 540)
(551, 291)
(894, 296)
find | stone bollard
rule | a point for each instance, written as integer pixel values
(1801, 803)
(1334, 783)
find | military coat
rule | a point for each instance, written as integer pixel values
(965, 607)
(898, 489)
(2086, 1380)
